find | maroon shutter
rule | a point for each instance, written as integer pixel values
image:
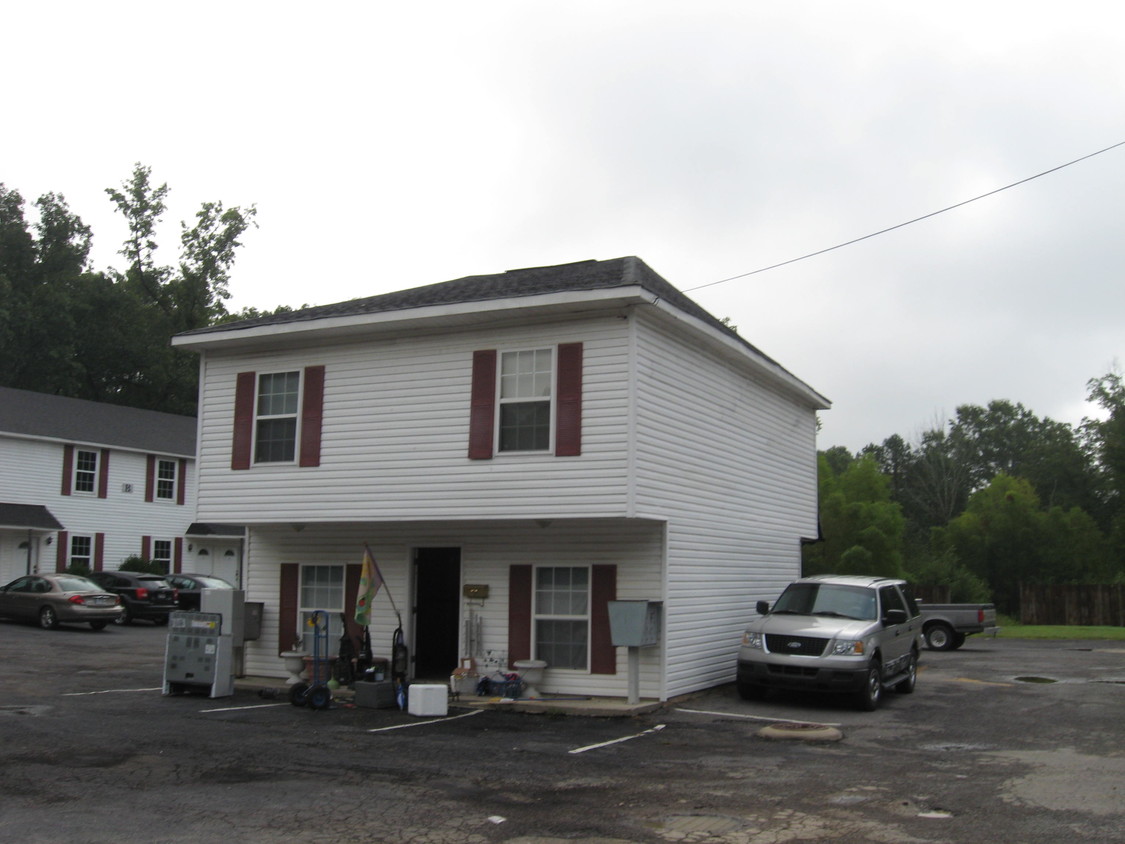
(63, 539)
(482, 405)
(519, 613)
(99, 551)
(103, 474)
(351, 590)
(181, 482)
(312, 416)
(67, 468)
(603, 589)
(568, 414)
(150, 478)
(178, 556)
(287, 606)
(146, 548)
(243, 438)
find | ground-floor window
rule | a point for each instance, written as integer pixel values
(162, 554)
(81, 552)
(322, 588)
(562, 616)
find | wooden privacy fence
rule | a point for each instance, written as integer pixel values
(1073, 604)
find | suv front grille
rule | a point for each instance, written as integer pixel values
(800, 645)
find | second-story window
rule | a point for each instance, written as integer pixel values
(525, 400)
(166, 480)
(85, 471)
(276, 433)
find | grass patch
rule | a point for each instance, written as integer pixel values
(1012, 629)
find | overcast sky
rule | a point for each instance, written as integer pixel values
(392, 145)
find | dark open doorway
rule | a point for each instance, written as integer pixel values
(437, 611)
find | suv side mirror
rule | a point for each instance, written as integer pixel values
(763, 607)
(895, 617)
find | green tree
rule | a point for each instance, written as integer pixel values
(861, 526)
(1105, 438)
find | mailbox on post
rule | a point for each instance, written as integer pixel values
(635, 625)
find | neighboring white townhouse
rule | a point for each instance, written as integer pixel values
(92, 484)
(517, 450)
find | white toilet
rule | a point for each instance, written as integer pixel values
(531, 672)
(294, 664)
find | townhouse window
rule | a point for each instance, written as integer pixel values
(322, 588)
(82, 552)
(162, 554)
(267, 407)
(525, 400)
(166, 480)
(562, 616)
(85, 470)
(276, 428)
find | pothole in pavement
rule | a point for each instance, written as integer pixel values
(33, 709)
(1035, 679)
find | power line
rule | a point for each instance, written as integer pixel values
(901, 225)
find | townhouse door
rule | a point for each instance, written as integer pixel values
(437, 612)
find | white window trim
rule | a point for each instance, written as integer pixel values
(536, 616)
(70, 556)
(171, 558)
(296, 415)
(334, 613)
(156, 496)
(96, 471)
(552, 399)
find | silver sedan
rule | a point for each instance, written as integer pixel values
(51, 599)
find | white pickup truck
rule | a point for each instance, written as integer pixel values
(945, 626)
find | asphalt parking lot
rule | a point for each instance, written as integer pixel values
(1003, 741)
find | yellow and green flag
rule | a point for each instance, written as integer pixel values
(370, 581)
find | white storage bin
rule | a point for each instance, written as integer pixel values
(427, 700)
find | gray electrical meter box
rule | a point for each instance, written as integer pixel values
(198, 657)
(635, 624)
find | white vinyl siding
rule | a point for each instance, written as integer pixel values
(396, 430)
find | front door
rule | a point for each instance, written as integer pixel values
(437, 612)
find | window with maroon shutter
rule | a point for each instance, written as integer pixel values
(568, 414)
(482, 405)
(99, 551)
(519, 613)
(287, 606)
(61, 550)
(277, 419)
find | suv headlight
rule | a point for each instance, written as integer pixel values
(752, 640)
(847, 647)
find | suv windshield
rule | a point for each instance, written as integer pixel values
(827, 599)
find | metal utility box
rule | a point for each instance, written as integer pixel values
(635, 624)
(231, 605)
(198, 656)
(252, 624)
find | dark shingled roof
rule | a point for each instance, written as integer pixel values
(89, 422)
(532, 281)
(214, 529)
(33, 516)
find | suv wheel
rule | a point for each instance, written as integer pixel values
(126, 617)
(872, 692)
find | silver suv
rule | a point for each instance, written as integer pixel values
(834, 633)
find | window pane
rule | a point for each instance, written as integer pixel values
(85, 471)
(165, 479)
(525, 426)
(562, 644)
(525, 375)
(277, 440)
(277, 393)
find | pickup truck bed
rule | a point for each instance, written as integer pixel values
(945, 626)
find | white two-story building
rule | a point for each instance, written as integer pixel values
(90, 484)
(517, 450)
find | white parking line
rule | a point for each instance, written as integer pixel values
(423, 723)
(111, 692)
(236, 708)
(757, 718)
(655, 729)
